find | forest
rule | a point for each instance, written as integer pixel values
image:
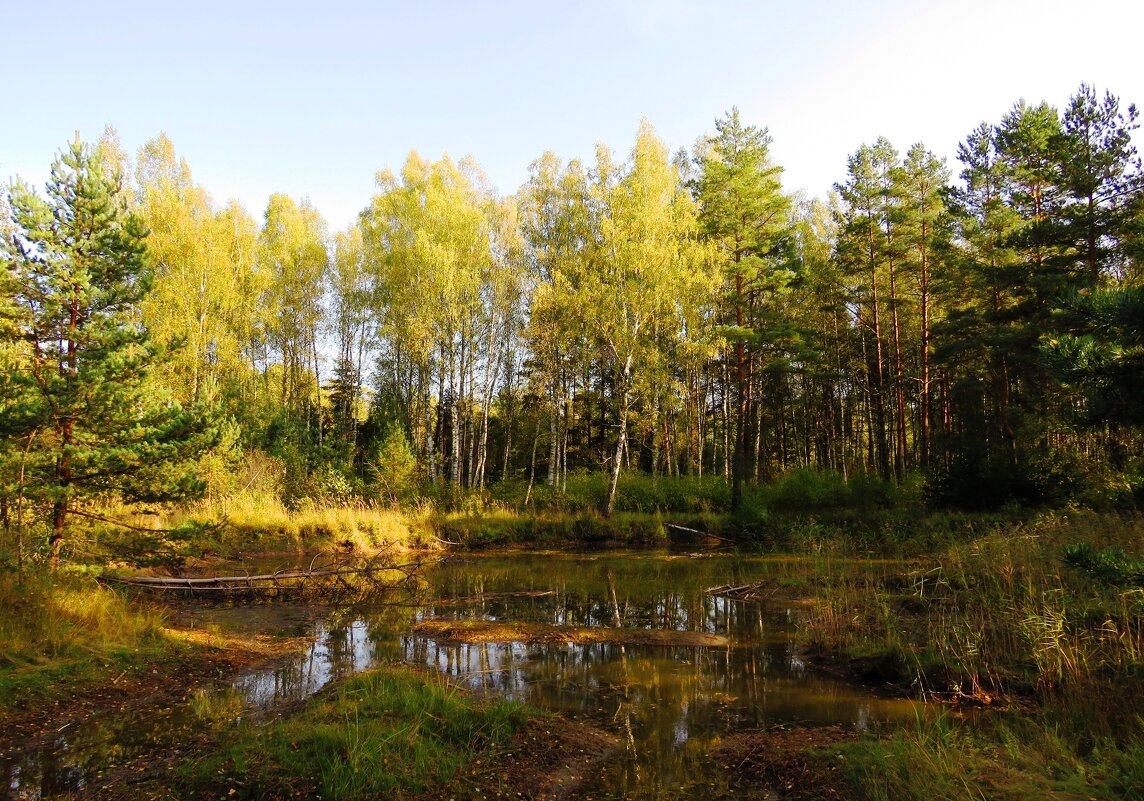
(935, 365)
(667, 315)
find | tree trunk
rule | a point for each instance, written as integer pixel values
(621, 440)
(532, 471)
(553, 437)
(899, 380)
(877, 387)
(924, 404)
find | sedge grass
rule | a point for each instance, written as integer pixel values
(1000, 614)
(58, 631)
(387, 733)
(1007, 758)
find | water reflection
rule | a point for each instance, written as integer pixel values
(668, 705)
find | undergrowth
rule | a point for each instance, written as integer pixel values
(1000, 615)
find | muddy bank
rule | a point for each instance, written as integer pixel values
(196, 658)
(551, 759)
(482, 631)
(799, 763)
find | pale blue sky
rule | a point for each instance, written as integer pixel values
(313, 98)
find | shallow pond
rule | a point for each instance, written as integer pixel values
(668, 705)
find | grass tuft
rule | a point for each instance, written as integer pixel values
(382, 734)
(65, 629)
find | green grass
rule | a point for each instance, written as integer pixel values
(587, 492)
(999, 615)
(62, 631)
(387, 733)
(803, 511)
(1007, 758)
(499, 528)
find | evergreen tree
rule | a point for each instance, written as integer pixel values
(77, 259)
(743, 211)
(926, 229)
(1104, 358)
(864, 249)
(1101, 176)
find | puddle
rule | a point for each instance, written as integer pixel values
(669, 705)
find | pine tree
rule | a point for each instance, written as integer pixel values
(862, 250)
(77, 259)
(1101, 177)
(743, 210)
(926, 230)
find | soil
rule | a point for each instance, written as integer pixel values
(796, 762)
(549, 760)
(208, 658)
(481, 631)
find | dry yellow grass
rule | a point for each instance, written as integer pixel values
(264, 522)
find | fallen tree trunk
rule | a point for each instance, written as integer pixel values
(328, 579)
(758, 591)
(698, 532)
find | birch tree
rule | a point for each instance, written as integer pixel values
(649, 271)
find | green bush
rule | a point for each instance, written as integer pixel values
(807, 490)
(587, 492)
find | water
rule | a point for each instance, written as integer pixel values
(667, 705)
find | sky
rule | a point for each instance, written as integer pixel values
(312, 99)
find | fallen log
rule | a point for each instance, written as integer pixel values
(757, 591)
(329, 578)
(698, 532)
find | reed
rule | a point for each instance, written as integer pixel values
(1002, 614)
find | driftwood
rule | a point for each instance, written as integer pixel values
(698, 532)
(331, 579)
(758, 591)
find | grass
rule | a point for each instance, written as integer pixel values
(803, 511)
(1007, 758)
(502, 527)
(387, 733)
(587, 492)
(65, 630)
(1001, 620)
(1002, 614)
(247, 522)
